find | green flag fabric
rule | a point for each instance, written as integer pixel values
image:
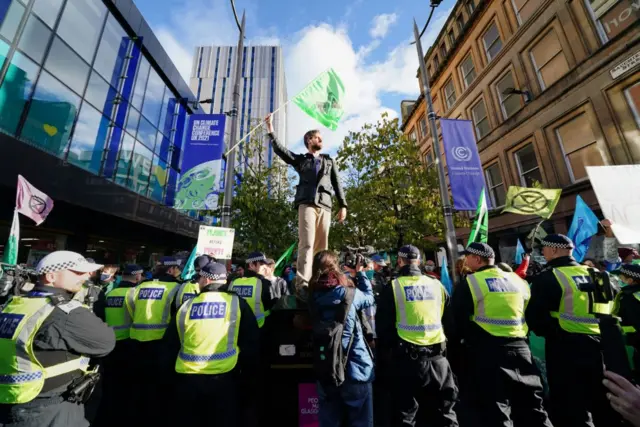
(11, 248)
(189, 269)
(480, 228)
(532, 201)
(323, 99)
(284, 259)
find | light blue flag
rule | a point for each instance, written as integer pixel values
(445, 278)
(583, 226)
(189, 269)
(519, 253)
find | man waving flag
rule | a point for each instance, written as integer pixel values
(323, 99)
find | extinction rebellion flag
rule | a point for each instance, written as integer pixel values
(532, 201)
(323, 99)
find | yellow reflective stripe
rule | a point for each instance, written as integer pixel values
(402, 309)
(568, 292)
(22, 353)
(66, 367)
(628, 329)
(131, 300)
(182, 317)
(602, 308)
(167, 307)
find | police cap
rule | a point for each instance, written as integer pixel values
(480, 249)
(214, 271)
(256, 257)
(409, 252)
(132, 270)
(630, 270)
(559, 241)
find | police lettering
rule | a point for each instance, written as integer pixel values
(244, 291)
(583, 283)
(418, 293)
(501, 285)
(208, 310)
(8, 324)
(151, 293)
(187, 297)
(115, 301)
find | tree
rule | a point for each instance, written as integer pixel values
(262, 216)
(393, 196)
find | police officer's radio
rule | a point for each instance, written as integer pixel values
(611, 335)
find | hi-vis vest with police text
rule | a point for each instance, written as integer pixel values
(117, 314)
(22, 376)
(150, 304)
(187, 291)
(499, 299)
(419, 308)
(628, 329)
(250, 288)
(208, 326)
(574, 315)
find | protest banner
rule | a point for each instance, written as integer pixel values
(216, 242)
(618, 191)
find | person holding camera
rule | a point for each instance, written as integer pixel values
(560, 310)
(411, 322)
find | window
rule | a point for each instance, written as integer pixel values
(47, 10)
(89, 139)
(509, 103)
(108, 63)
(153, 98)
(158, 179)
(632, 94)
(100, 94)
(468, 70)
(428, 158)
(140, 169)
(579, 146)
(528, 168)
(443, 50)
(141, 84)
(471, 6)
(16, 88)
(423, 127)
(480, 119)
(612, 17)
(436, 62)
(51, 114)
(132, 121)
(63, 63)
(429, 71)
(146, 133)
(523, 9)
(460, 22)
(495, 185)
(450, 93)
(11, 20)
(412, 135)
(549, 60)
(80, 25)
(34, 39)
(492, 42)
(124, 159)
(452, 38)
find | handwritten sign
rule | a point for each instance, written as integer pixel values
(216, 242)
(622, 208)
(308, 405)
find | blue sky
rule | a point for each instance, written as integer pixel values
(366, 41)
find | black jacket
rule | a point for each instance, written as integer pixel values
(629, 312)
(314, 188)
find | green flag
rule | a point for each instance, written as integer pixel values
(189, 269)
(480, 228)
(323, 99)
(11, 248)
(284, 259)
(532, 201)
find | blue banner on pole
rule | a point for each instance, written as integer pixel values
(463, 163)
(199, 183)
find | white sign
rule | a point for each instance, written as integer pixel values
(618, 192)
(626, 65)
(215, 241)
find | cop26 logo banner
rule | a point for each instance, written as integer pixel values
(199, 183)
(463, 162)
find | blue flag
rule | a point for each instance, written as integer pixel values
(189, 269)
(444, 277)
(583, 226)
(519, 253)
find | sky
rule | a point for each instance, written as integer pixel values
(365, 41)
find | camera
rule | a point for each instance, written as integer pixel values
(13, 279)
(355, 256)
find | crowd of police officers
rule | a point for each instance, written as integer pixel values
(189, 353)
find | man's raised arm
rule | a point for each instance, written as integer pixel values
(283, 152)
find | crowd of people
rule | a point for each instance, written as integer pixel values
(392, 346)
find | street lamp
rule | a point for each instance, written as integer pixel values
(511, 91)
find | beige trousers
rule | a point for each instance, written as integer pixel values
(313, 237)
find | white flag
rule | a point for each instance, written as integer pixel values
(32, 202)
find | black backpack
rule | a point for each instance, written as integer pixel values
(329, 359)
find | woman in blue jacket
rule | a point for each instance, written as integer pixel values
(353, 400)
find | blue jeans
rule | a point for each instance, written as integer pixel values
(350, 405)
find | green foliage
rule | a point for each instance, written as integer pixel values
(262, 215)
(393, 196)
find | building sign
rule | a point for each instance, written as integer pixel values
(202, 163)
(216, 242)
(615, 15)
(629, 63)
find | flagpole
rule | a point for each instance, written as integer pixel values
(452, 241)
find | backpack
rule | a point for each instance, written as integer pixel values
(329, 358)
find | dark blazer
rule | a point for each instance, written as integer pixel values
(314, 188)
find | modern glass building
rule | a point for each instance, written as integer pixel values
(93, 112)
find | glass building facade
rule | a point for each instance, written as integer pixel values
(81, 86)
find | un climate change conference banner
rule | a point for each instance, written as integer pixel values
(463, 162)
(202, 163)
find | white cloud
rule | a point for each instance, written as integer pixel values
(381, 24)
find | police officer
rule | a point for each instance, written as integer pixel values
(46, 340)
(150, 306)
(627, 307)
(117, 366)
(92, 292)
(216, 340)
(559, 311)
(410, 331)
(489, 305)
